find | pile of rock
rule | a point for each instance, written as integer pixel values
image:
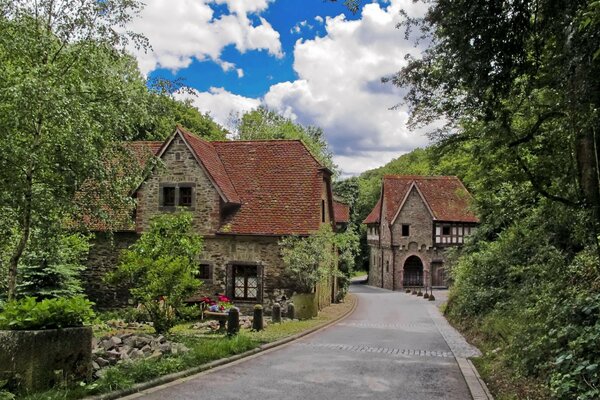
(110, 350)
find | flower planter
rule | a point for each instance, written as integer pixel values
(41, 359)
(306, 305)
(219, 316)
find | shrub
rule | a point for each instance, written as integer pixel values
(161, 267)
(51, 265)
(28, 313)
(311, 259)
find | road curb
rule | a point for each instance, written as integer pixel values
(221, 362)
(477, 386)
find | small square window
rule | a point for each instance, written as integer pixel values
(405, 230)
(446, 230)
(185, 197)
(204, 272)
(168, 196)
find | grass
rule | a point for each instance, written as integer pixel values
(504, 382)
(204, 348)
(359, 273)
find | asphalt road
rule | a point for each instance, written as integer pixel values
(392, 347)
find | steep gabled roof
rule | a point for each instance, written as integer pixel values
(375, 215)
(207, 156)
(280, 185)
(341, 212)
(445, 196)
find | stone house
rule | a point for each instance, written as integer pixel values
(415, 220)
(244, 196)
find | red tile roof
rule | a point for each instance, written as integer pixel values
(209, 158)
(280, 185)
(341, 212)
(95, 197)
(446, 197)
(143, 150)
(374, 215)
(274, 186)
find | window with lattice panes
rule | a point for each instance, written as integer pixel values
(245, 282)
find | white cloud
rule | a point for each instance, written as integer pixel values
(319, 19)
(183, 30)
(221, 104)
(300, 26)
(240, 73)
(339, 87)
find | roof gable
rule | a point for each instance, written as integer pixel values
(207, 157)
(375, 215)
(445, 196)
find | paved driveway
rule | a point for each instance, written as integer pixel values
(394, 346)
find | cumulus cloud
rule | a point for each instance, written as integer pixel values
(340, 89)
(339, 84)
(221, 104)
(184, 30)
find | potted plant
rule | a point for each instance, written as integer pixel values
(45, 343)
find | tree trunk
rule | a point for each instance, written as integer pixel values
(20, 248)
(587, 165)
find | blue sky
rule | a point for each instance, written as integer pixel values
(311, 60)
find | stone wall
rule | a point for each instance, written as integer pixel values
(388, 258)
(38, 360)
(220, 252)
(415, 214)
(180, 167)
(103, 258)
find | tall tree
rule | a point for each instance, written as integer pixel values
(263, 123)
(165, 112)
(68, 92)
(519, 81)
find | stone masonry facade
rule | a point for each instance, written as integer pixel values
(224, 253)
(407, 240)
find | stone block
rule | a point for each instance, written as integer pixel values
(40, 359)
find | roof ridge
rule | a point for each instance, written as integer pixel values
(414, 177)
(257, 140)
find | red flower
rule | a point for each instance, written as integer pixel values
(224, 299)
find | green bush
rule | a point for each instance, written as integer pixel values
(128, 314)
(28, 313)
(161, 267)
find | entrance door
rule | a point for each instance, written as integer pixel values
(438, 275)
(413, 272)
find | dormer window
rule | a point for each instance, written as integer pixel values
(172, 195)
(168, 196)
(185, 197)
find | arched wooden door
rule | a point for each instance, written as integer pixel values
(413, 272)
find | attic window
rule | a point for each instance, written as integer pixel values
(168, 196)
(185, 196)
(405, 230)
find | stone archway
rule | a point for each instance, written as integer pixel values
(413, 272)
